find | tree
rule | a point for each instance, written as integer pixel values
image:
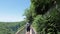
(45, 16)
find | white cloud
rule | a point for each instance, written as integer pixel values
(11, 18)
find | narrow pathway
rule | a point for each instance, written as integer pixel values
(23, 31)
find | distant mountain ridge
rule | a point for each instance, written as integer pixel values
(10, 27)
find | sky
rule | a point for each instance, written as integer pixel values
(13, 10)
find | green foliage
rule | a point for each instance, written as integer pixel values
(41, 6)
(10, 27)
(39, 23)
(45, 16)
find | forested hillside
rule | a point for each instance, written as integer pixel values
(44, 16)
(10, 27)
